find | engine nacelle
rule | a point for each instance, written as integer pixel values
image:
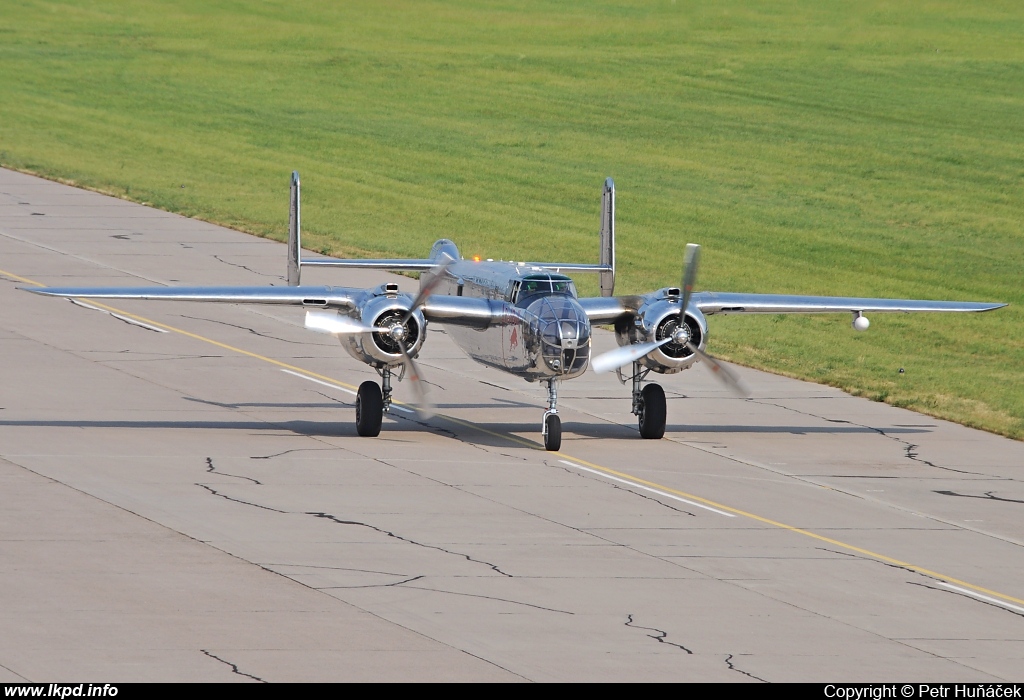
(658, 319)
(386, 309)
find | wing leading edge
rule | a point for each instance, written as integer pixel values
(611, 309)
(461, 311)
(739, 303)
(332, 297)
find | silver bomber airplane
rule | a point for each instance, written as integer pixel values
(522, 318)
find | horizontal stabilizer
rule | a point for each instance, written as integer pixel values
(399, 265)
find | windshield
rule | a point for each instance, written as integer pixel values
(546, 285)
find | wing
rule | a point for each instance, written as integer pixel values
(732, 303)
(611, 309)
(329, 297)
(452, 310)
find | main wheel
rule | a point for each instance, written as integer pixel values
(552, 433)
(652, 412)
(369, 409)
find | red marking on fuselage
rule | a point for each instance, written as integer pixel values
(513, 340)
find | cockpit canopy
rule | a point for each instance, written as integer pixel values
(542, 283)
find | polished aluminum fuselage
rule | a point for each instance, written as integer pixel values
(543, 332)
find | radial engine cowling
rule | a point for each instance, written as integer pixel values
(383, 348)
(658, 320)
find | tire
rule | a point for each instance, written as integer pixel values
(369, 409)
(553, 434)
(652, 412)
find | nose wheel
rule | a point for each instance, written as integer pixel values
(552, 432)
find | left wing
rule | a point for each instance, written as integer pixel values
(330, 297)
(452, 310)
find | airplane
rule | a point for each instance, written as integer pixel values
(523, 318)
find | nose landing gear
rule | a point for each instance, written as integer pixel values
(552, 425)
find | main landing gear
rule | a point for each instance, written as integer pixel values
(372, 402)
(552, 427)
(648, 405)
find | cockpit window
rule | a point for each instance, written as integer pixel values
(543, 284)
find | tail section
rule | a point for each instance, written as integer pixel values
(607, 276)
(606, 267)
(294, 245)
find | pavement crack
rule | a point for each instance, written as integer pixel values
(374, 585)
(728, 662)
(491, 597)
(249, 269)
(213, 470)
(659, 637)
(298, 449)
(234, 667)
(909, 450)
(987, 497)
(968, 597)
(382, 531)
(215, 492)
(877, 561)
(660, 502)
(246, 328)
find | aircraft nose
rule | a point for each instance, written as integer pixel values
(564, 331)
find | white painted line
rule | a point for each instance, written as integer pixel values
(979, 596)
(340, 388)
(137, 323)
(119, 317)
(317, 381)
(648, 488)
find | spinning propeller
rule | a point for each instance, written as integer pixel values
(621, 356)
(331, 322)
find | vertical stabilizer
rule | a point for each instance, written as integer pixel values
(294, 245)
(607, 277)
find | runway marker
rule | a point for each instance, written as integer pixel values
(987, 599)
(336, 386)
(537, 446)
(648, 488)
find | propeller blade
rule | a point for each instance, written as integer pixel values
(613, 359)
(330, 321)
(437, 276)
(720, 371)
(690, 264)
(423, 403)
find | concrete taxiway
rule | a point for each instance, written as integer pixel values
(184, 498)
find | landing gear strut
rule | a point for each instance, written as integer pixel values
(552, 427)
(648, 405)
(372, 402)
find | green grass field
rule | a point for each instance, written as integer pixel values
(857, 148)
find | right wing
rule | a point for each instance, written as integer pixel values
(736, 303)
